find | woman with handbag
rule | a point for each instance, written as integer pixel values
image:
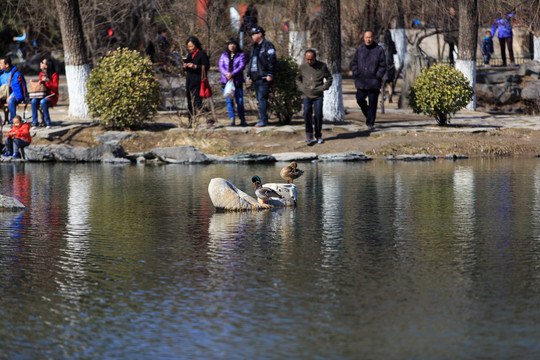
(49, 97)
(196, 65)
(231, 67)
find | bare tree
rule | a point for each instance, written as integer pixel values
(467, 44)
(331, 52)
(298, 26)
(400, 37)
(76, 61)
(529, 13)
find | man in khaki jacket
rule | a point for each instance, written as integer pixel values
(312, 80)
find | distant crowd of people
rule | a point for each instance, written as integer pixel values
(372, 67)
(501, 26)
(369, 67)
(42, 93)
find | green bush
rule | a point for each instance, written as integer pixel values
(122, 90)
(440, 91)
(284, 99)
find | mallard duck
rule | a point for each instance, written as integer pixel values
(264, 193)
(290, 172)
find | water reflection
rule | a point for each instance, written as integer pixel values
(73, 261)
(535, 209)
(387, 260)
(465, 215)
(332, 218)
(402, 215)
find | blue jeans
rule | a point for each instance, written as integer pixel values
(369, 111)
(12, 105)
(310, 106)
(239, 98)
(13, 145)
(45, 104)
(262, 88)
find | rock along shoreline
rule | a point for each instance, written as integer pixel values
(110, 153)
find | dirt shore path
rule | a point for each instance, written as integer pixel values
(475, 134)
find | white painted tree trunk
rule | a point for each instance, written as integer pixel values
(77, 77)
(77, 64)
(331, 52)
(235, 18)
(536, 41)
(333, 110)
(297, 45)
(400, 39)
(468, 68)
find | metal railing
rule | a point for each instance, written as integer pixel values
(497, 60)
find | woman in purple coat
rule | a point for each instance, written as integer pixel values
(231, 67)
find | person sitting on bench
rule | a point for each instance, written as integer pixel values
(17, 138)
(12, 76)
(48, 77)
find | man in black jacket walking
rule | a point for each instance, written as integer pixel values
(261, 70)
(368, 68)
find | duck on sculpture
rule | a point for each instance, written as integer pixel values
(264, 193)
(291, 172)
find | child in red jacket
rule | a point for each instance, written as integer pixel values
(17, 138)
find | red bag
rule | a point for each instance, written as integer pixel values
(206, 90)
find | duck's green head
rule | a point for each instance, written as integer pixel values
(256, 179)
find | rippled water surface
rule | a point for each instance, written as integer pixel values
(378, 261)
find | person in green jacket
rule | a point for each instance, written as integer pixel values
(312, 80)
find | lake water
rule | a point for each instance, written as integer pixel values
(379, 260)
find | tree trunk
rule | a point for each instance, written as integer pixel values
(400, 39)
(331, 53)
(75, 57)
(536, 42)
(297, 44)
(468, 28)
(399, 36)
(369, 17)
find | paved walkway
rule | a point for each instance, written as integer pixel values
(393, 121)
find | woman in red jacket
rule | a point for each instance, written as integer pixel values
(49, 77)
(17, 138)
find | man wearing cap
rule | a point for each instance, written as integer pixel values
(261, 70)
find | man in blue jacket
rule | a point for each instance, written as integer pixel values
(17, 85)
(368, 68)
(261, 70)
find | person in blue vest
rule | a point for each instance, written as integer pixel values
(11, 76)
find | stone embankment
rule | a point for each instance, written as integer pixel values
(507, 86)
(113, 153)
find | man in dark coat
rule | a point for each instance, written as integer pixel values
(261, 70)
(368, 68)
